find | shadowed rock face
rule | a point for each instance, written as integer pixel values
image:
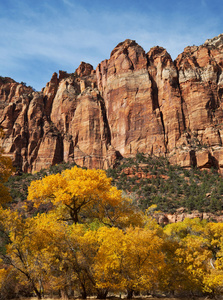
(133, 102)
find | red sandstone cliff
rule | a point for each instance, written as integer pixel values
(133, 102)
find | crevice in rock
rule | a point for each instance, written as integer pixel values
(219, 95)
(219, 72)
(193, 158)
(211, 106)
(59, 151)
(164, 132)
(183, 113)
(219, 135)
(118, 159)
(42, 126)
(66, 124)
(183, 103)
(155, 105)
(154, 94)
(212, 162)
(76, 139)
(107, 131)
(209, 52)
(71, 150)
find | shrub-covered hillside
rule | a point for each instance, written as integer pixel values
(149, 180)
(153, 180)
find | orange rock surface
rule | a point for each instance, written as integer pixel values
(133, 102)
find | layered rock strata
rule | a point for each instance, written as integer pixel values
(133, 102)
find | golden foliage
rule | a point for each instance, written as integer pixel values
(128, 260)
(6, 170)
(94, 241)
(79, 195)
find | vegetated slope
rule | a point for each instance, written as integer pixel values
(147, 180)
(153, 180)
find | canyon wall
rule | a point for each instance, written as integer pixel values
(133, 102)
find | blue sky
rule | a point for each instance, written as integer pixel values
(39, 37)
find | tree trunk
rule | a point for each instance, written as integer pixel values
(129, 294)
(102, 293)
(38, 294)
(83, 294)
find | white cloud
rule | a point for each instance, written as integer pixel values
(67, 2)
(67, 34)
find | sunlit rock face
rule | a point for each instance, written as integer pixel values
(133, 102)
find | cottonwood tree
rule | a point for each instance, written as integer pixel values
(36, 249)
(192, 253)
(6, 170)
(81, 196)
(128, 260)
(213, 280)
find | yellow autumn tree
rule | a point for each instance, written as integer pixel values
(72, 259)
(172, 276)
(16, 247)
(192, 253)
(81, 195)
(28, 247)
(214, 233)
(180, 230)
(82, 247)
(213, 281)
(128, 261)
(9, 283)
(6, 169)
(107, 265)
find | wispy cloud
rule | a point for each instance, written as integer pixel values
(50, 34)
(69, 3)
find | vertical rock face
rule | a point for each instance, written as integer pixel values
(133, 102)
(200, 81)
(166, 96)
(125, 84)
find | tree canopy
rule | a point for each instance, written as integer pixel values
(6, 169)
(92, 241)
(80, 195)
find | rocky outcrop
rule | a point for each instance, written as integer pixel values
(133, 102)
(181, 214)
